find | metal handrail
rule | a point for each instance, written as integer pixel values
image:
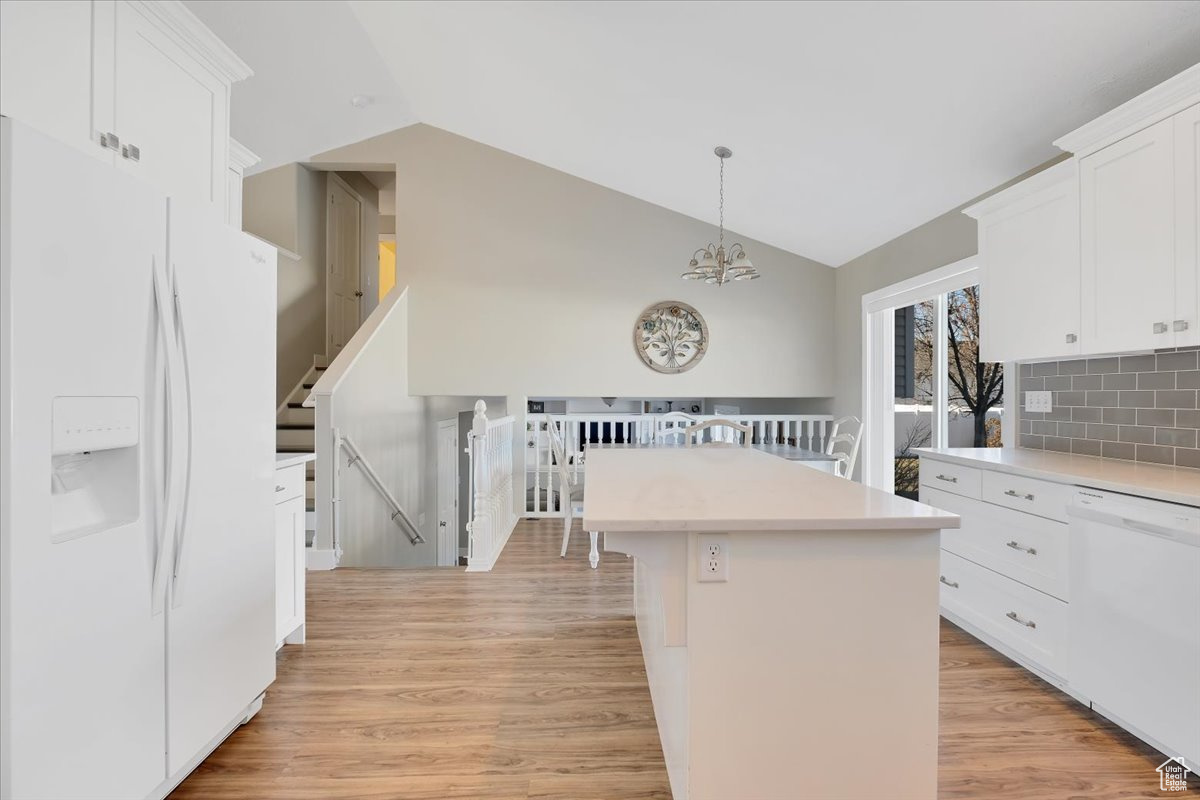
(399, 516)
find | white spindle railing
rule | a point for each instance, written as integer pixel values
(493, 513)
(579, 430)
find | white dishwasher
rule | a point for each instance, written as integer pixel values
(1134, 646)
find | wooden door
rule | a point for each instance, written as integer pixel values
(171, 113)
(343, 242)
(447, 493)
(1187, 227)
(1127, 242)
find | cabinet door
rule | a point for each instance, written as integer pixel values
(46, 69)
(1030, 287)
(172, 109)
(288, 516)
(1187, 227)
(1127, 240)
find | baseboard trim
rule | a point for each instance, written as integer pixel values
(486, 566)
(320, 559)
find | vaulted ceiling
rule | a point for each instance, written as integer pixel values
(850, 123)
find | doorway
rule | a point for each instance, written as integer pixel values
(923, 382)
(447, 493)
(343, 243)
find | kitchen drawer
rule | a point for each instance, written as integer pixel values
(289, 483)
(1029, 622)
(950, 477)
(1020, 546)
(1049, 500)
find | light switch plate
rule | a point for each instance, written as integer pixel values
(1039, 402)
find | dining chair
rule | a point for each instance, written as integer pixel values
(694, 434)
(845, 445)
(671, 427)
(570, 495)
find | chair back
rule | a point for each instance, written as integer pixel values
(845, 445)
(671, 427)
(726, 429)
(559, 450)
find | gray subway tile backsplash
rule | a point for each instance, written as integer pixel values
(1142, 407)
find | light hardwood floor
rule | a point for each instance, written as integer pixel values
(528, 682)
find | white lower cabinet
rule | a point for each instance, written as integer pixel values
(289, 555)
(1004, 572)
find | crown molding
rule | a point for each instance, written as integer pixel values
(240, 156)
(175, 17)
(1059, 173)
(1154, 105)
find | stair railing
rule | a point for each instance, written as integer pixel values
(399, 516)
(492, 509)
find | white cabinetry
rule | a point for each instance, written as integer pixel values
(1187, 226)
(1029, 243)
(289, 553)
(1127, 241)
(1004, 573)
(240, 159)
(144, 85)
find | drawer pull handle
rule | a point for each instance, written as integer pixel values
(951, 584)
(947, 478)
(1015, 546)
(1015, 493)
(279, 488)
(1028, 623)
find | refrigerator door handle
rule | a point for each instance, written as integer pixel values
(181, 527)
(158, 580)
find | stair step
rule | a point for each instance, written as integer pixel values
(308, 385)
(295, 405)
(294, 426)
(291, 448)
(320, 369)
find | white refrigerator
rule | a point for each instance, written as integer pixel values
(137, 371)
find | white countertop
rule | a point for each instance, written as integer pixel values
(292, 459)
(735, 489)
(1171, 484)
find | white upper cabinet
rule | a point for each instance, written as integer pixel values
(143, 84)
(1127, 241)
(1029, 243)
(46, 70)
(1187, 227)
(1103, 246)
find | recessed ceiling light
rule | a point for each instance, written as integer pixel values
(361, 100)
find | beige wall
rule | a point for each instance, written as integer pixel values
(286, 206)
(527, 281)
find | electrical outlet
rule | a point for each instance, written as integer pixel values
(1039, 402)
(713, 558)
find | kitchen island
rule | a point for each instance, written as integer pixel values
(788, 620)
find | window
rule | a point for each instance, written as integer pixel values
(923, 383)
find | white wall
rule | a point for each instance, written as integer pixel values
(526, 280)
(370, 403)
(286, 206)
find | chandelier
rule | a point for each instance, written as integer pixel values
(714, 264)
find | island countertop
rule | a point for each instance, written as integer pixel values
(714, 489)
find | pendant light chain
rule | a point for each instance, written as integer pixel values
(721, 229)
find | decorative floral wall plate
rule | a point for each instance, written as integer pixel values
(670, 337)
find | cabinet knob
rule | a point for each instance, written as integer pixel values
(951, 584)
(1180, 325)
(1072, 338)
(110, 140)
(1028, 623)
(1160, 327)
(358, 294)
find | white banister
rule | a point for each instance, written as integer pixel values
(579, 430)
(493, 517)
